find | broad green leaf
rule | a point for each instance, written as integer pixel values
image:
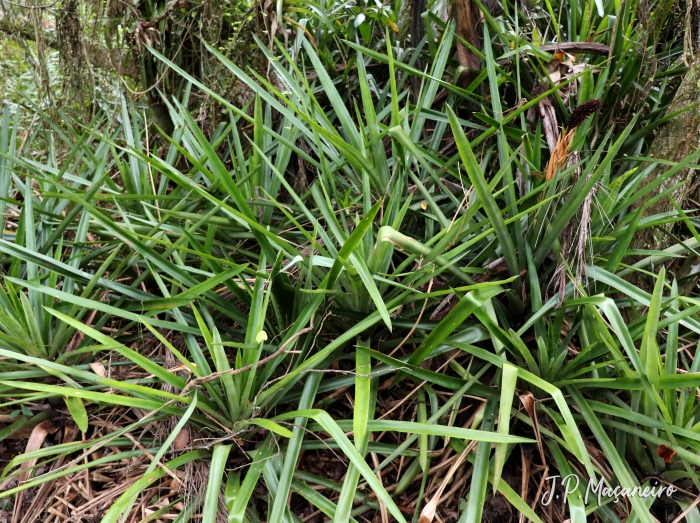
(78, 412)
(272, 427)
(509, 378)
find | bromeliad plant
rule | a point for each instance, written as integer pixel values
(355, 272)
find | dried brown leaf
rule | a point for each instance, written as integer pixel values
(36, 439)
(99, 369)
(549, 123)
(182, 439)
(528, 401)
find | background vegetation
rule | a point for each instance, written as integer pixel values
(350, 261)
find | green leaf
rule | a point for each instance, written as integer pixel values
(272, 427)
(615, 460)
(466, 306)
(361, 414)
(237, 511)
(330, 426)
(217, 465)
(509, 378)
(78, 412)
(476, 176)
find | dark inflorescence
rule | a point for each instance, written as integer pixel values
(583, 111)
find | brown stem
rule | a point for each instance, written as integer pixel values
(232, 372)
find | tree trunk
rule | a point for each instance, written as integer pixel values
(675, 140)
(417, 33)
(468, 17)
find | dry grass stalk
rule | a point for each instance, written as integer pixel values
(428, 513)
